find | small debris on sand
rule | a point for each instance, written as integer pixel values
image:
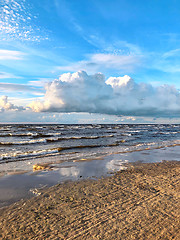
(38, 167)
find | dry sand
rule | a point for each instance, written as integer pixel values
(139, 203)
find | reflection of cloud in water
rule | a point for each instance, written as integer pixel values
(71, 171)
(115, 165)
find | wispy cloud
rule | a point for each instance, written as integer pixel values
(4, 75)
(102, 61)
(14, 87)
(116, 55)
(11, 55)
(40, 83)
(65, 12)
(172, 53)
(168, 62)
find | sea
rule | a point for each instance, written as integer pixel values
(77, 151)
(26, 142)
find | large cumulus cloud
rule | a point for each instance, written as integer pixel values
(80, 92)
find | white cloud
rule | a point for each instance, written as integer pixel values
(10, 55)
(117, 82)
(122, 48)
(40, 83)
(16, 21)
(80, 92)
(5, 105)
(172, 53)
(4, 75)
(125, 119)
(115, 61)
(168, 62)
(14, 87)
(101, 61)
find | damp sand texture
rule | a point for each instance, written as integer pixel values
(139, 203)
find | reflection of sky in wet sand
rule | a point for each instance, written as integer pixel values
(15, 187)
(71, 171)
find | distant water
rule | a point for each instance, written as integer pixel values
(27, 142)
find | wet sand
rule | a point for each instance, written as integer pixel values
(142, 202)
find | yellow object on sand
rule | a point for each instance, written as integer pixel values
(37, 167)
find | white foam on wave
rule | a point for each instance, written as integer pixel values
(24, 142)
(153, 145)
(19, 154)
(53, 139)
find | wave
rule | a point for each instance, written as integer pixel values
(23, 142)
(115, 148)
(20, 156)
(80, 137)
(48, 140)
(19, 135)
(30, 134)
(79, 147)
(168, 133)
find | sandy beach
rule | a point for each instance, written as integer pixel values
(141, 202)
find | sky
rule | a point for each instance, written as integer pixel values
(93, 61)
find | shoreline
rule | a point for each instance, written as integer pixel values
(23, 183)
(141, 202)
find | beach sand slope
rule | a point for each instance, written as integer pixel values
(142, 202)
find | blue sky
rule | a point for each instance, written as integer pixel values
(41, 40)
